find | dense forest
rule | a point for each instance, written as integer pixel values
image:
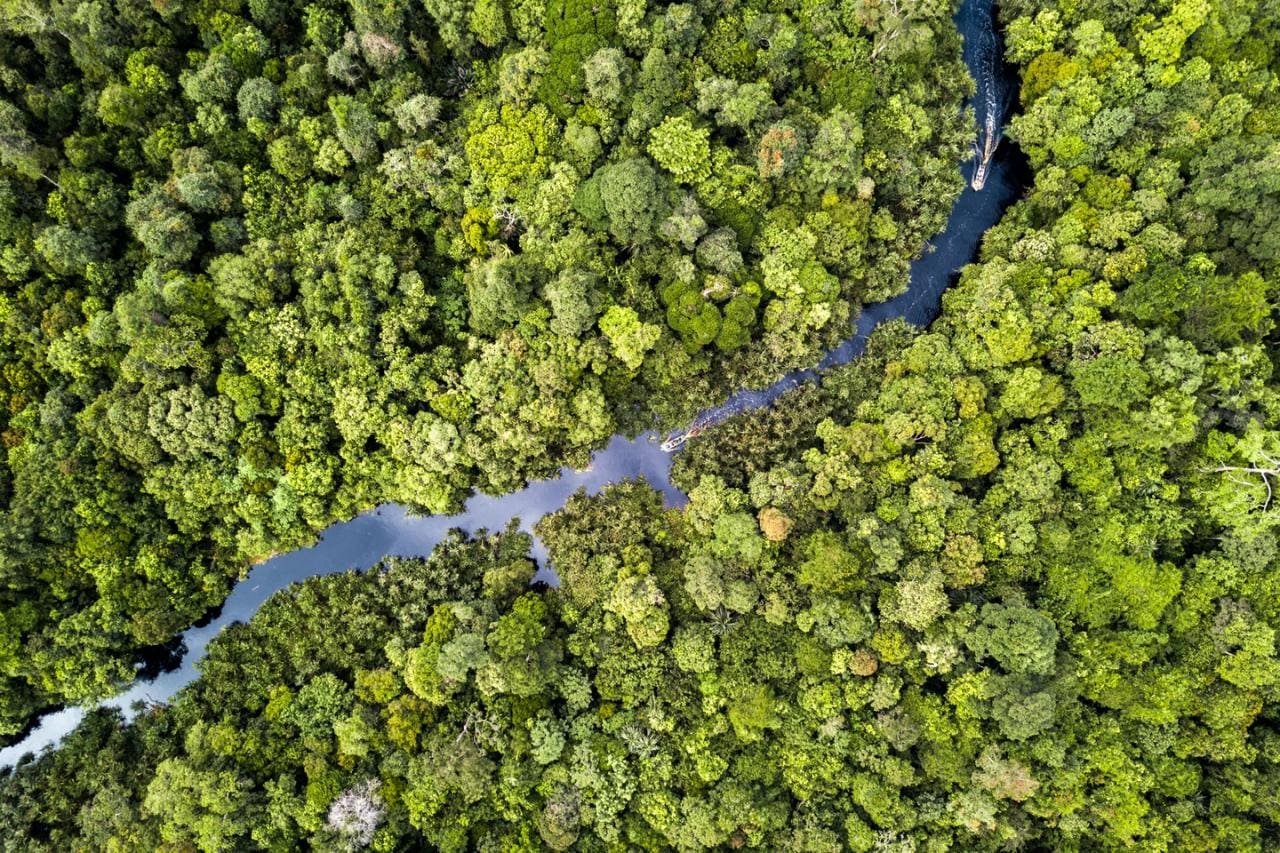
(1010, 582)
(268, 264)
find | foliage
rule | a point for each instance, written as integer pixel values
(1005, 583)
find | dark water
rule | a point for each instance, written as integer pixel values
(389, 530)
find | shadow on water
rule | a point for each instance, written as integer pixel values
(390, 530)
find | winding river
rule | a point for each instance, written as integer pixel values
(365, 540)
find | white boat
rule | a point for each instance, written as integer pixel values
(677, 440)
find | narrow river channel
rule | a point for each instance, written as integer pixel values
(390, 530)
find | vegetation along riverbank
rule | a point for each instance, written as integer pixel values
(1007, 582)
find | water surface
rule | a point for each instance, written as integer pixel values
(390, 530)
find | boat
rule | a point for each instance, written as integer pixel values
(677, 440)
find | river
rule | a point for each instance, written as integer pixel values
(390, 530)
